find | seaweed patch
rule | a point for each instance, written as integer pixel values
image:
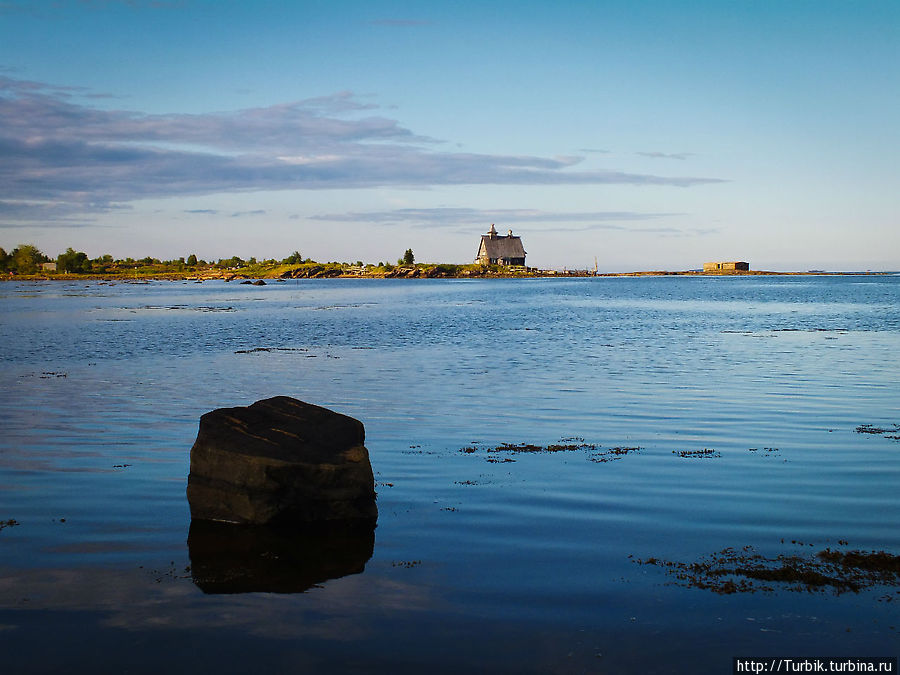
(257, 350)
(504, 452)
(171, 573)
(406, 564)
(767, 452)
(892, 431)
(612, 454)
(705, 453)
(199, 308)
(746, 571)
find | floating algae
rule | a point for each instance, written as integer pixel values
(891, 431)
(697, 454)
(746, 571)
(594, 452)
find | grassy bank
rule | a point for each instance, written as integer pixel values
(315, 270)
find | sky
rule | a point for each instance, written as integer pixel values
(643, 134)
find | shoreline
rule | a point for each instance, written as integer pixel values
(417, 272)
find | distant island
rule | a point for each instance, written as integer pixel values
(27, 262)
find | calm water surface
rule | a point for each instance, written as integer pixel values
(478, 565)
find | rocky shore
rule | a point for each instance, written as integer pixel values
(418, 271)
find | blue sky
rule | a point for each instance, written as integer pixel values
(650, 135)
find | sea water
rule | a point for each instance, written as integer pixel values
(695, 415)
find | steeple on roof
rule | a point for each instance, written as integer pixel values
(500, 249)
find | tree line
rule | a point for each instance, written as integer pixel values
(28, 259)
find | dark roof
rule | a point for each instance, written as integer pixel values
(507, 247)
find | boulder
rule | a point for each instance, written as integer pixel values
(281, 461)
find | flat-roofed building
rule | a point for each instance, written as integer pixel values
(726, 266)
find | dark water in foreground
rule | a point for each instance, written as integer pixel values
(477, 563)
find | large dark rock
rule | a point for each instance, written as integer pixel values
(281, 460)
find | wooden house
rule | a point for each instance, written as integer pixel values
(497, 249)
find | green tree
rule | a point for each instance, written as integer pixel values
(293, 259)
(192, 260)
(4, 259)
(25, 259)
(102, 263)
(73, 261)
(229, 263)
(408, 257)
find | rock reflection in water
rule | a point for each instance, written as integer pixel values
(227, 558)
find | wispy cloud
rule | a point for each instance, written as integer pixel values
(216, 212)
(53, 6)
(13, 213)
(666, 155)
(68, 224)
(450, 216)
(62, 156)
